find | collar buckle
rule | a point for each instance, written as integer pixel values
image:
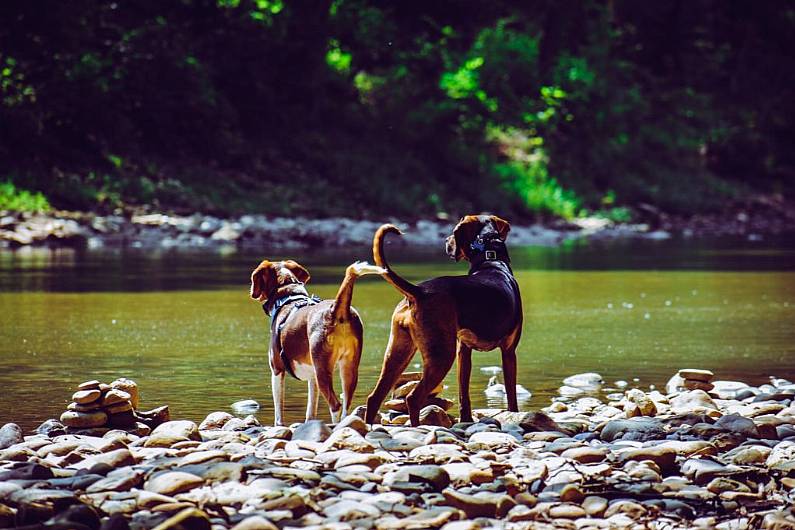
(491, 255)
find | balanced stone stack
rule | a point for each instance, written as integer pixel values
(98, 406)
(693, 379)
(434, 410)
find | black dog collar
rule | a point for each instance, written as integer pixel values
(486, 248)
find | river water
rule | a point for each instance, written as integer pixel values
(181, 324)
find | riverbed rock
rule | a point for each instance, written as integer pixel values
(432, 475)
(638, 429)
(312, 431)
(172, 482)
(215, 420)
(178, 429)
(346, 438)
(435, 415)
(738, 424)
(187, 519)
(692, 401)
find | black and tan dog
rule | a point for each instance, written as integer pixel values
(450, 316)
(309, 336)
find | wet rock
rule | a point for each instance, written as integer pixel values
(722, 484)
(116, 396)
(312, 431)
(10, 434)
(153, 418)
(587, 380)
(587, 454)
(172, 482)
(51, 428)
(245, 406)
(435, 415)
(29, 471)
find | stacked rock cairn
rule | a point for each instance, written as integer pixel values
(434, 411)
(99, 407)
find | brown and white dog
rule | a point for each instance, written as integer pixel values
(450, 316)
(310, 337)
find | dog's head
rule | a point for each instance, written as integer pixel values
(470, 227)
(270, 275)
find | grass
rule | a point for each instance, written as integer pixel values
(20, 200)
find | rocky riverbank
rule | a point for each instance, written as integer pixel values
(754, 220)
(720, 455)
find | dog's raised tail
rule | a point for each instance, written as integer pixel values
(342, 302)
(408, 289)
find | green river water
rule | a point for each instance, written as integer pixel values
(181, 324)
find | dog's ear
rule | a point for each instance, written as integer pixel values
(301, 273)
(464, 234)
(502, 226)
(263, 280)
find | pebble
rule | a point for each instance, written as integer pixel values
(83, 420)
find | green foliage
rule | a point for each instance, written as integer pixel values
(409, 108)
(19, 200)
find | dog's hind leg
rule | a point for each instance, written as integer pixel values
(324, 374)
(277, 387)
(349, 374)
(312, 399)
(464, 355)
(437, 359)
(399, 351)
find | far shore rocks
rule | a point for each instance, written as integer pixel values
(158, 230)
(690, 458)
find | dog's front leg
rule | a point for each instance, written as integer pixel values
(509, 369)
(277, 387)
(464, 354)
(312, 399)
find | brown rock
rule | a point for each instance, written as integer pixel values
(91, 407)
(435, 415)
(124, 406)
(83, 420)
(115, 396)
(129, 386)
(84, 397)
(173, 482)
(692, 384)
(89, 385)
(696, 375)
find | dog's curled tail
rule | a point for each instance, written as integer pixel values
(408, 289)
(342, 302)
